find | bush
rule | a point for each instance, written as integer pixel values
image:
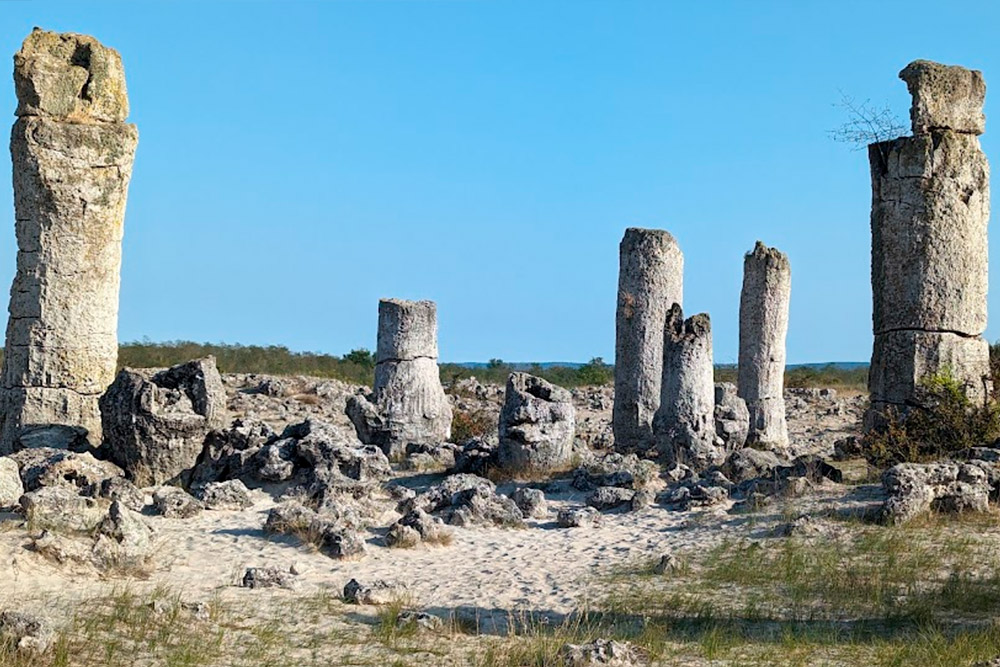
(469, 424)
(948, 425)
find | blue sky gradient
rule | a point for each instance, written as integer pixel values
(298, 160)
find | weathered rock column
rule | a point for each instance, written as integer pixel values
(536, 425)
(684, 424)
(408, 403)
(930, 211)
(650, 281)
(767, 284)
(72, 154)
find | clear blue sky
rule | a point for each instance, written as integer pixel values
(299, 160)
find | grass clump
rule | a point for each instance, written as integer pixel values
(947, 424)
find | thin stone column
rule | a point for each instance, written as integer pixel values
(650, 281)
(72, 154)
(767, 282)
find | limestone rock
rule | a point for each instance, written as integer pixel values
(378, 592)
(61, 509)
(155, 425)
(609, 497)
(28, 633)
(945, 97)
(122, 540)
(650, 281)
(537, 424)
(229, 495)
(11, 488)
(946, 486)
(417, 527)
(732, 419)
(72, 165)
(175, 503)
(266, 577)
(614, 469)
(684, 424)
(602, 652)
(764, 303)
(56, 467)
(531, 502)
(580, 517)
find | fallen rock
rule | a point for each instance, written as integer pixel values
(122, 540)
(46, 466)
(266, 577)
(230, 453)
(609, 497)
(732, 419)
(61, 509)
(615, 469)
(531, 502)
(415, 528)
(25, 632)
(536, 427)
(604, 652)
(477, 456)
(945, 486)
(175, 503)
(11, 488)
(418, 620)
(581, 517)
(155, 424)
(378, 592)
(229, 495)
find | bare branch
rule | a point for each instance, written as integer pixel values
(866, 124)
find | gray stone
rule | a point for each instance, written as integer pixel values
(175, 503)
(684, 424)
(614, 469)
(28, 633)
(929, 219)
(229, 495)
(155, 424)
(57, 467)
(945, 97)
(578, 517)
(266, 577)
(913, 489)
(764, 300)
(747, 464)
(609, 497)
(417, 527)
(408, 403)
(536, 425)
(378, 592)
(531, 502)
(732, 419)
(122, 540)
(418, 620)
(650, 281)
(602, 653)
(641, 499)
(72, 158)
(11, 488)
(62, 509)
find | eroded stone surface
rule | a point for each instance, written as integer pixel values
(945, 97)
(685, 421)
(650, 281)
(72, 159)
(536, 425)
(764, 301)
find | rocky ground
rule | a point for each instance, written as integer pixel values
(474, 559)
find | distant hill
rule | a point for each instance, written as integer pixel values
(526, 365)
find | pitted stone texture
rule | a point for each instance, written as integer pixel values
(69, 77)
(406, 330)
(945, 97)
(72, 165)
(155, 425)
(650, 281)
(408, 404)
(537, 424)
(732, 419)
(685, 422)
(767, 282)
(902, 360)
(944, 486)
(930, 212)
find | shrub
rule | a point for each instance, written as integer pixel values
(947, 425)
(469, 424)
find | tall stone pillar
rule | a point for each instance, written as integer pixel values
(650, 281)
(930, 211)
(684, 424)
(408, 404)
(767, 285)
(72, 154)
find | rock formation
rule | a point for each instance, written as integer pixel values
(72, 154)
(767, 283)
(732, 419)
(684, 424)
(155, 424)
(408, 404)
(536, 425)
(650, 281)
(930, 210)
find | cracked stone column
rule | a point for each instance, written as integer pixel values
(684, 424)
(930, 211)
(72, 154)
(408, 392)
(767, 286)
(650, 281)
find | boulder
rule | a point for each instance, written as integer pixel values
(122, 540)
(417, 527)
(581, 517)
(602, 653)
(229, 495)
(28, 633)
(62, 509)
(155, 424)
(537, 424)
(609, 497)
(11, 488)
(531, 502)
(732, 419)
(378, 592)
(174, 503)
(913, 489)
(266, 577)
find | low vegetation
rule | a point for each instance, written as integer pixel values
(949, 424)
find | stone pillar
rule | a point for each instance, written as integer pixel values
(650, 281)
(930, 211)
(767, 284)
(72, 154)
(536, 426)
(407, 393)
(685, 421)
